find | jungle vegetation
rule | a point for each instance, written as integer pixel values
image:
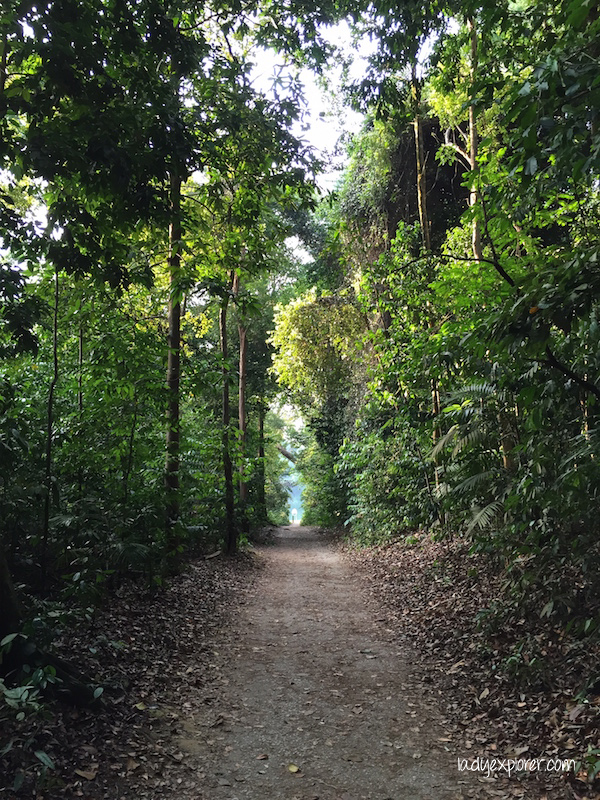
(442, 342)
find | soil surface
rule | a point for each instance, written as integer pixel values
(316, 700)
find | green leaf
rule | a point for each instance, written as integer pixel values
(547, 609)
(531, 165)
(525, 89)
(578, 14)
(42, 756)
(7, 748)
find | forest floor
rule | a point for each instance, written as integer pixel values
(292, 672)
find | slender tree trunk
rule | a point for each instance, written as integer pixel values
(128, 465)
(50, 433)
(474, 143)
(242, 423)
(424, 220)
(3, 62)
(508, 439)
(80, 394)
(173, 360)
(421, 164)
(261, 499)
(230, 527)
(435, 406)
(10, 610)
(506, 420)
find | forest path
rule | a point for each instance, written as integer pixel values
(315, 700)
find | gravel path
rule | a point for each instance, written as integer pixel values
(315, 700)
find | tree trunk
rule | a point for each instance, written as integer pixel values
(10, 610)
(3, 63)
(474, 144)
(173, 361)
(421, 165)
(80, 394)
(230, 528)
(242, 424)
(50, 434)
(424, 220)
(508, 439)
(128, 461)
(290, 456)
(261, 499)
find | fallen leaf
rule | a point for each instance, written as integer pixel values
(89, 775)
(576, 712)
(293, 768)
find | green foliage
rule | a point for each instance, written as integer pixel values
(324, 495)
(277, 470)
(389, 485)
(316, 340)
(450, 386)
(99, 121)
(474, 403)
(21, 698)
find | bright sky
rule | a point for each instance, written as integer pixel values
(327, 119)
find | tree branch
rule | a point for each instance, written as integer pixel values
(497, 266)
(457, 148)
(290, 456)
(553, 361)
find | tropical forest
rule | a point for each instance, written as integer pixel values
(299, 399)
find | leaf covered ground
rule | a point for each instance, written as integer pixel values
(153, 653)
(513, 684)
(175, 664)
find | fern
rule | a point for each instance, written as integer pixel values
(483, 389)
(474, 436)
(474, 481)
(484, 516)
(443, 442)
(128, 554)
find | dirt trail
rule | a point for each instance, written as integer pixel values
(311, 680)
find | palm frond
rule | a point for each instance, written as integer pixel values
(474, 436)
(443, 442)
(482, 389)
(474, 480)
(484, 516)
